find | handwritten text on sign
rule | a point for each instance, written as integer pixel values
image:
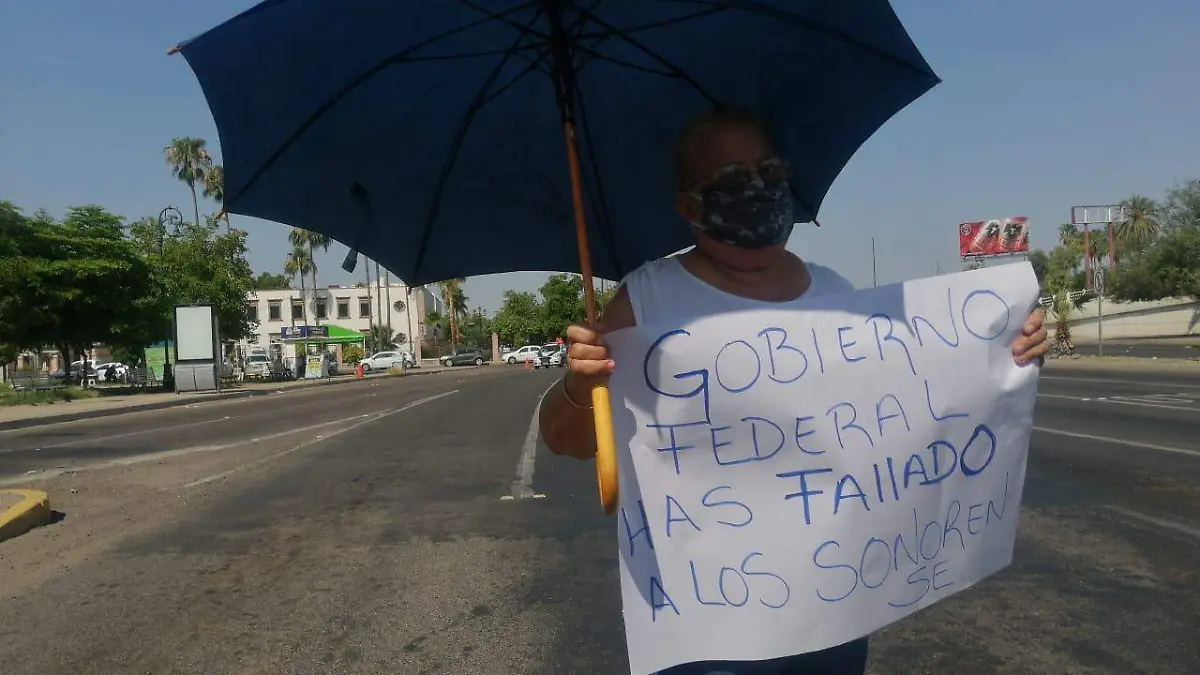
(795, 479)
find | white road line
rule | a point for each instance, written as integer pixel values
(1153, 520)
(318, 439)
(1103, 399)
(168, 454)
(102, 439)
(1118, 441)
(522, 484)
(1131, 383)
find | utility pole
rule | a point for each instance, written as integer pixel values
(387, 285)
(370, 322)
(379, 302)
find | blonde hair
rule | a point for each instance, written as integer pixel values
(700, 126)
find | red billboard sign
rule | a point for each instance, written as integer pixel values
(984, 238)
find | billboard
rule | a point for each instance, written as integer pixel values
(1003, 236)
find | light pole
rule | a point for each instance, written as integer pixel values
(174, 217)
(1085, 217)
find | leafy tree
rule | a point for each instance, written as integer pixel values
(266, 281)
(562, 304)
(519, 320)
(199, 266)
(1167, 268)
(1181, 207)
(70, 284)
(352, 353)
(189, 161)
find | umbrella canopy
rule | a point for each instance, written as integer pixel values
(429, 135)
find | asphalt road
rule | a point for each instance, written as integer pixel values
(369, 528)
(1144, 350)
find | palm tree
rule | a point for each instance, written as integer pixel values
(1061, 308)
(299, 264)
(214, 189)
(455, 301)
(189, 161)
(1141, 224)
(315, 241)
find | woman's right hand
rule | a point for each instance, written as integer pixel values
(588, 360)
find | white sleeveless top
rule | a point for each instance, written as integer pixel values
(662, 290)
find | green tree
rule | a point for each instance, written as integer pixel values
(1167, 268)
(72, 283)
(266, 281)
(189, 161)
(1140, 227)
(519, 320)
(562, 304)
(1181, 206)
(299, 263)
(199, 265)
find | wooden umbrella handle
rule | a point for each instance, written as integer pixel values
(606, 450)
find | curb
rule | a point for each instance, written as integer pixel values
(11, 425)
(32, 511)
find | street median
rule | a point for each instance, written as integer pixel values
(23, 510)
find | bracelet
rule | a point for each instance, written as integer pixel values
(567, 395)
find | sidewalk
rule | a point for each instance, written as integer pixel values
(22, 416)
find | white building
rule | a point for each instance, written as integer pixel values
(353, 308)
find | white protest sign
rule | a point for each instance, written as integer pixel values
(795, 479)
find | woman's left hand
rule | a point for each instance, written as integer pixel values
(1032, 343)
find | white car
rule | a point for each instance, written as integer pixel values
(260, 366)
(526, 353)
(385, 360)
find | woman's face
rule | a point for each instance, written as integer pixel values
(733, 146)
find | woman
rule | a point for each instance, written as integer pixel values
(733, 190)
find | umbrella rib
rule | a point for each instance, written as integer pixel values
(752, 7)
(676, 71)
(345, 91)
(459, 136)
(657, 24)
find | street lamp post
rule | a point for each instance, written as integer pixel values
(174, 217)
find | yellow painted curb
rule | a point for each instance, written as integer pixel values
(32, 511)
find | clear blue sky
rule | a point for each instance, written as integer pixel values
(1045, 103)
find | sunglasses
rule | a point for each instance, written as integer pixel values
(736, 176)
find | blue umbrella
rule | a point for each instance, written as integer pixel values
(430, 135)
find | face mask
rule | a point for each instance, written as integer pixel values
(756, 215)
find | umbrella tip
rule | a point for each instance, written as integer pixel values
(173, 50)
(351, 261)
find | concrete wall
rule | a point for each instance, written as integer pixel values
(1131, 320)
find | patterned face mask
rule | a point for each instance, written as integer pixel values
(755, 214)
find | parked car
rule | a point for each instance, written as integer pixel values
(463, 357)
(385, 360)
(526, 353)
(260, 366)
(550, 355)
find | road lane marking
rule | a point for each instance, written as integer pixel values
(1131, 383)
(522, 486)
(177, 452)
(102, 439)
(366, 419)
(1129, 400)
(1153, 520)
(1118, 441)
